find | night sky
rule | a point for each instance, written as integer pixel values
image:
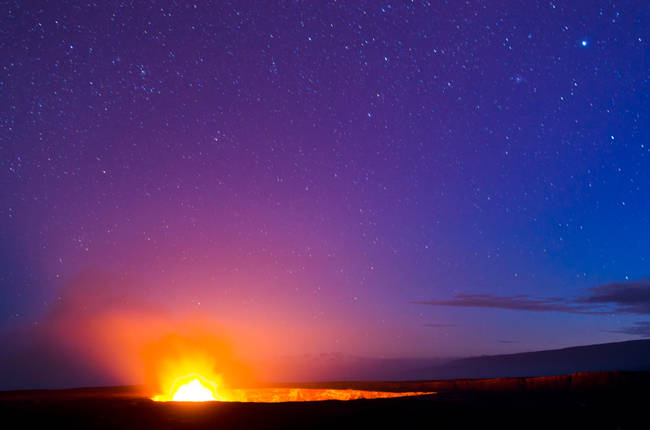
(381, 179)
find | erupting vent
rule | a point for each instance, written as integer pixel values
(196, 388)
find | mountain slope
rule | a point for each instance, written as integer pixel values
(630, 355)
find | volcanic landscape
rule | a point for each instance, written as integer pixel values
(583, 400)
(297, 214)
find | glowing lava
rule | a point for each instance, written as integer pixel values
(192, 388)
(196, 388)
(193, 391)
(195, 369)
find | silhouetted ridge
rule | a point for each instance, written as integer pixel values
(627, 356)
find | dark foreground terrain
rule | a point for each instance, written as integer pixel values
(585, 400)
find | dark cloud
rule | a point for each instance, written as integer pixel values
(626, 297)
(629, 297)
(508, 341)
(640, 328)
(518, 303)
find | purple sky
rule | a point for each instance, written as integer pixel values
(402, 179)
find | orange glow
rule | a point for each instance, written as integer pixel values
(276, 395)
(183, 367)
(193, 391)
(179, 357)
(190, 361)
(192, 388)
(196, 391)
(197, 388)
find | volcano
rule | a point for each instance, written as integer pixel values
(584, 400)
(197, 388)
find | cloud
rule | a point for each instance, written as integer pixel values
(629, 297)
(508, 341)
(640, 328)
(619, 297)
(518, 303)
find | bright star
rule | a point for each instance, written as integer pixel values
(584, 42)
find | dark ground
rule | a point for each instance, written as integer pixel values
(594, 400)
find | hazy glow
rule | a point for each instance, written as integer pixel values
(193, 391)
(192, 388)
(197, 388)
